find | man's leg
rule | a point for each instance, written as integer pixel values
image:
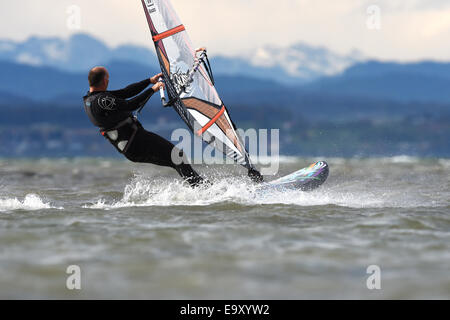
(148, 147)
(255, 175)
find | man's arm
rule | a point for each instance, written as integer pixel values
(135, 103)
(131, 90)
(135, 88)
(112, 103)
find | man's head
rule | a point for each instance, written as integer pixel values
(98, 79)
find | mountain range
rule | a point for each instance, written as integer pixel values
(55, 70)
(299, 63)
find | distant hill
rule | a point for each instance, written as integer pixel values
(50, 84)
(250, 100)
(424, 81)
(7, 97)
(22, 84)
(38, 83)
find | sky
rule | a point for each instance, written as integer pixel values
(401, 30)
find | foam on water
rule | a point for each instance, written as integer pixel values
(30, 202)
(143, 192)
(401, 159)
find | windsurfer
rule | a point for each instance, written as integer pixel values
(111, 111)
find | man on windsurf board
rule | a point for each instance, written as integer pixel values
(112, 112)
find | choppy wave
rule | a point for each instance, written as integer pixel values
(143, 192)
(30, 202)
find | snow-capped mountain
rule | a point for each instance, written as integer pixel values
(299, 63)
(303, 61)
(76, 54)
(293, 65)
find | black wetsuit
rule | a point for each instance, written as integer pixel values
(112, 113)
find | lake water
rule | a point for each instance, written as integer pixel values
(136, 231)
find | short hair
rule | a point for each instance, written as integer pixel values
(96, 76)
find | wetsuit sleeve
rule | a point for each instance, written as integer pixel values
(136, 102)
(131, 90)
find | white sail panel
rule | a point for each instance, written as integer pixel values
(189, 85)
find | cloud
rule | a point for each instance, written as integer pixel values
(410, 30)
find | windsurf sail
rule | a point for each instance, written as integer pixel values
(190, 84)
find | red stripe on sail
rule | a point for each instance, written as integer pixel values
(211, 122)
(168, 33)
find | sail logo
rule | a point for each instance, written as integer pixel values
(150, 6)
(180, 80)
